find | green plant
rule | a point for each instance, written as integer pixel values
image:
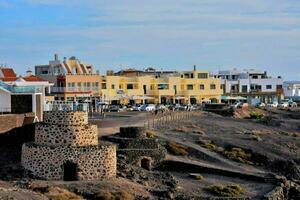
(256, 115)
(233, 190)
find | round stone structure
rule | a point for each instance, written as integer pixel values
(66, 148)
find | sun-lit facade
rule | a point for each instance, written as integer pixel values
(189, 87)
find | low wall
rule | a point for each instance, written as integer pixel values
(11, 121)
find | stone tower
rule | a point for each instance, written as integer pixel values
(66, 148)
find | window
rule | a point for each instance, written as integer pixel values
(278, 86)
(112, 86)
(202, 87)
(44, 72)
(103, 85)
(212, 86)
(190, 87)
(268, 87)
(88, 84)
(129, 86)
(244, 88)
(202, 75)
(79, 84)
(255, 77)
(163, 86)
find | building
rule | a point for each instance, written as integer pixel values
(188, 87)
(292, 90)
(253, 84)
(22, 94)
(66, 148)
(73, 80)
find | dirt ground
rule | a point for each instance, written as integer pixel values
(223, 150)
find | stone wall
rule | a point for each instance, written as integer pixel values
(133, 132)
(50, 134)
(94, 162)
(130, 143)
(134, 156)
(66, 118)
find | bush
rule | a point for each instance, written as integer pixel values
(114, 195)
(227, 190)
(239, 155)
(198, 177)
(150, 134)
(177, 149)
(56, 193)
(256, 115)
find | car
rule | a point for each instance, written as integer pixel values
(182, 107)
(272, 105)
(150, 107)
(135, 108)
(238, 104)
(162, 108)
(284, 104)
(261, 105)
(143, 107)
(114, 109)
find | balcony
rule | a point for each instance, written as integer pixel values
(74, 90)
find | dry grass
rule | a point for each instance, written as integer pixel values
(238, 154)
(210, 145)
(56, 193)
(227, 190)
(177, 149)
(182, 129)
(114, 195)
(150, 134)
(198, 177)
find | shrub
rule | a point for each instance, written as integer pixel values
(198, 177)
(181, 129)
(177, 149)
(150, 134)
(56, 193)
(256, 115)
(239, 155)
(227, 190)
(114, 195)
(255, 137)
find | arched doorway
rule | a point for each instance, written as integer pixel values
(214, 100)
(146, 163)
(70, 170)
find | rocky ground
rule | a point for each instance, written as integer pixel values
(251, 155)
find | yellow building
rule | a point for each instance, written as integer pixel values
(184, 87)
(76, 81)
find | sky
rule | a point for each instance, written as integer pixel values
(165, 34)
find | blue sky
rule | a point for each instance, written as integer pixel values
(168, 34)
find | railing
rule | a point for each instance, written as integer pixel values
(21, 89)
(73, 89)
(166, 119)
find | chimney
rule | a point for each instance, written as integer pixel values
(56, 57)
(195, 68)
(29, 72)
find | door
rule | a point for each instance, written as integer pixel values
(70, 171)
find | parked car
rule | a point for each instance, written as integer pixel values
(150, 107)
(284, 104)
(272, 105)
(162, 108)
(143, 107)
(114, 109)
(182, 107)
(238, 104)
(261, 105)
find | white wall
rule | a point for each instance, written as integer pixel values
(5, 101)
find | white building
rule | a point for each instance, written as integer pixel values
(253, 84)
(22, 94)
(292, 89)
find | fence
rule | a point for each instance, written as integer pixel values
(166, 119)
(66, 106)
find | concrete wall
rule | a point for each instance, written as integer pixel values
(10, 121)
(5, 101)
